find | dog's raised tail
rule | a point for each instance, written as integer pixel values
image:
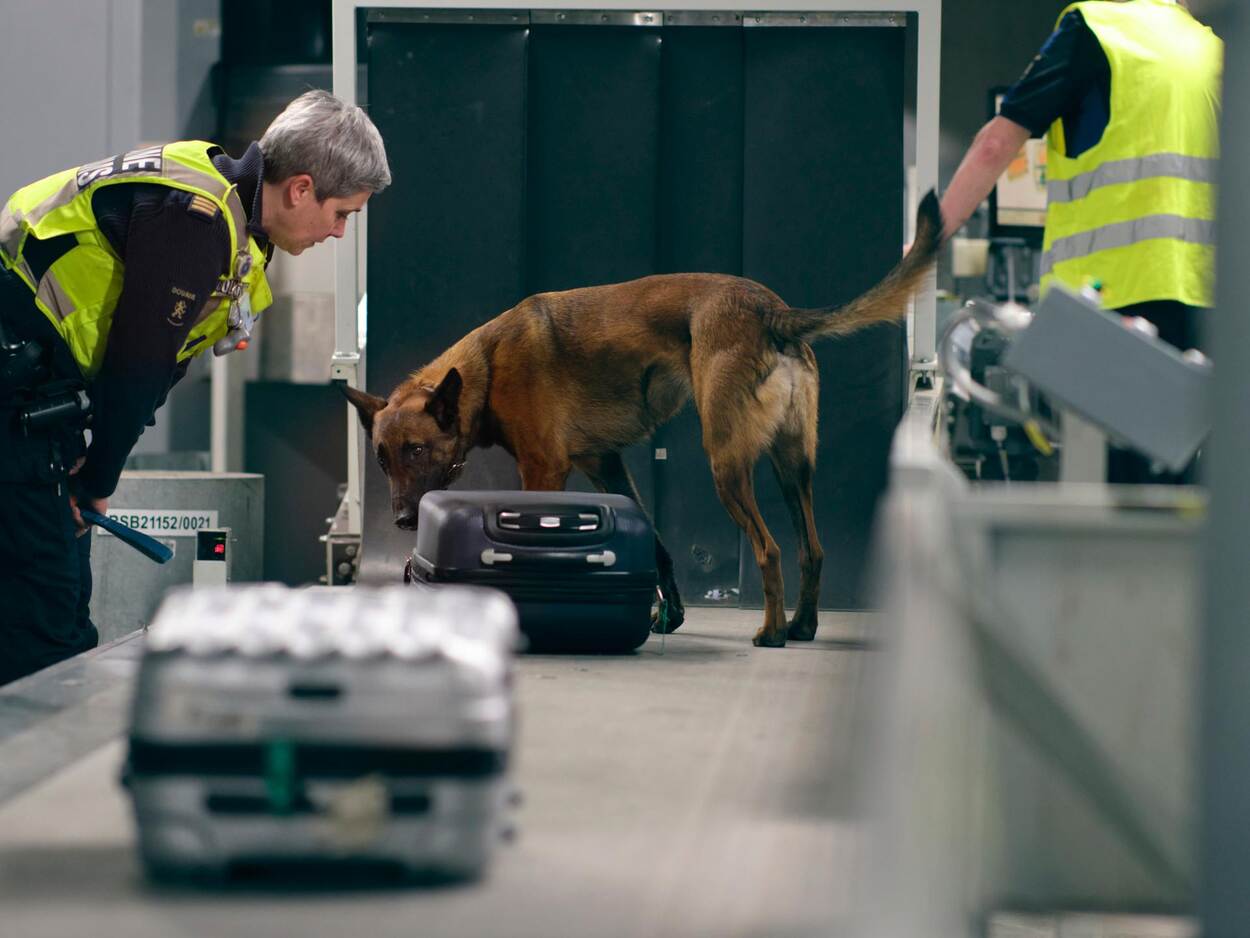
(885, 302)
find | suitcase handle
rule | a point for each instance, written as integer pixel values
(605, 558)
(551, 526)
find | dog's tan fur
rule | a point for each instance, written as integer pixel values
(566, 380)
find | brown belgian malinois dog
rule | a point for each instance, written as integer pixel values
(566, 380)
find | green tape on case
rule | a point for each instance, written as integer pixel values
(280, 781)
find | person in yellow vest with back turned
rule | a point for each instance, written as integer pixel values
(1128, 92)
(113, 276)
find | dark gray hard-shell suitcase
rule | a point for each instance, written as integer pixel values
(580, 567)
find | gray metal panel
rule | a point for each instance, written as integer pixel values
(489, 17)
(703, 18)
(816, 18)
(127, 587)
(1225, 757)
(1038, 678)
(1133, 385)
(596, 18)
(297, 338)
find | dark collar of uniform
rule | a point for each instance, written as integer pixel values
(247, 173)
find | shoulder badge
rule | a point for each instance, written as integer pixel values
(202, 205)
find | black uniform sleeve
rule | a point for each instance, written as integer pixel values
(174, 255)
(1060, 74)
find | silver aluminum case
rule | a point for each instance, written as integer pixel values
(414, 671)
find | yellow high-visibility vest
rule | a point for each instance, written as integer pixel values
(79, 291)
(1137, 210)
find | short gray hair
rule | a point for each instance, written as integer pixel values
(330, 140)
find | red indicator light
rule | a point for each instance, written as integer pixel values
(219, 548)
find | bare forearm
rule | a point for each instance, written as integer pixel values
(994, 148)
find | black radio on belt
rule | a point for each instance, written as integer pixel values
(44, 404)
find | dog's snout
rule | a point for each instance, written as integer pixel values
(406, 518)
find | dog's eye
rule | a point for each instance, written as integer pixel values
(382, 460)
(412, 450)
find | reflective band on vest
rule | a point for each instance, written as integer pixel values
(1123, 234)
(54, 297)
(1172, 165)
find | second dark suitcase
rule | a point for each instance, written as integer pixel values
(579, 567)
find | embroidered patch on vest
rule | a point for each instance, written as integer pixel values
(179, 313)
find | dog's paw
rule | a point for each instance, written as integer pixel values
(766, 639)
(801, 630)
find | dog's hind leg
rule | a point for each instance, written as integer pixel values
(794, 475)
(736, 487)
(608, 473)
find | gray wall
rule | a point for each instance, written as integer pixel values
(126, 72)
(59, 118)
(88, 78)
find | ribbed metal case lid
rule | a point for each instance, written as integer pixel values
(314, 623)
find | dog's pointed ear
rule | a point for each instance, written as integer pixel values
(444, 403)
(366, 405)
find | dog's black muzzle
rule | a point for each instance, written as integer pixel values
(406, 517)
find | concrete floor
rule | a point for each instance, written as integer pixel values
(704, 791)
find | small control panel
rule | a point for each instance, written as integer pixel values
(212, 557)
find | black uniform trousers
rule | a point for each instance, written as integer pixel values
(45, 571)
(1181, 326)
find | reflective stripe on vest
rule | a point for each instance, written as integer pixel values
(12, 229)
(54, 297)
(1123, 234)
(1118, 172)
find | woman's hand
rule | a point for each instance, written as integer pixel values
(98, 505)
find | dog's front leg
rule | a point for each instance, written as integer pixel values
(542, 473)
(609, 474)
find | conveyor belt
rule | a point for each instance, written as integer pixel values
(702, 792)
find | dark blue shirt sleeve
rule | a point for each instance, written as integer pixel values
(173, 257)
(1069, 66)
